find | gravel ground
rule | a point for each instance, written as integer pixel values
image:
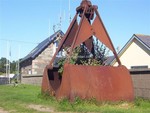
(3, 111)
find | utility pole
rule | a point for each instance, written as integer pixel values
(7, 63)
(18, 62)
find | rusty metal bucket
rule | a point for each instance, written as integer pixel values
(104, 83)
(51, 81)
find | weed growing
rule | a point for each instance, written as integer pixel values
(16, 99)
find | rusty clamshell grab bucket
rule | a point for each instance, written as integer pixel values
(104, 83)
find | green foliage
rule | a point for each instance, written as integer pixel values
(61, 62)
(91, 62)
(72, 60)
(1, 73)
(99, 51)
(17, 100)
(3, 66)
(82, 56)
(13, 66)
(92, 105)
(140, 102)
(74, 56)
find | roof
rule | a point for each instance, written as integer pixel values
(41, 46)
(109, 60)
(143, 39)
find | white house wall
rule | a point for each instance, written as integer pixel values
(135, 55)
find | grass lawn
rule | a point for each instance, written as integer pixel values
(28, 99)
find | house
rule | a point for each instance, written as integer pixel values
(135, 54)
(35, 62)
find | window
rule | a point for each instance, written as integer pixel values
(139, 67)
(56, 43)
(29, 72)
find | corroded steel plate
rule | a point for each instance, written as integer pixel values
(104, 83)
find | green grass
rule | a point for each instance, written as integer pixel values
(17, 100)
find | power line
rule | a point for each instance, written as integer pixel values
(19, 41)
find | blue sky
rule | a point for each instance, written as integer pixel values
(27, 22)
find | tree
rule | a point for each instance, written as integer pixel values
(99, 51)
(3, 66)
(13, 66)
(82, 56)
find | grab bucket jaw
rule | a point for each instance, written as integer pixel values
(51, 81)
(104, 83)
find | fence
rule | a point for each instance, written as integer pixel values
(4, 80)
(141, 82)
(31, 79)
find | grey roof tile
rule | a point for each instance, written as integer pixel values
(144, 38)
(41, 46)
